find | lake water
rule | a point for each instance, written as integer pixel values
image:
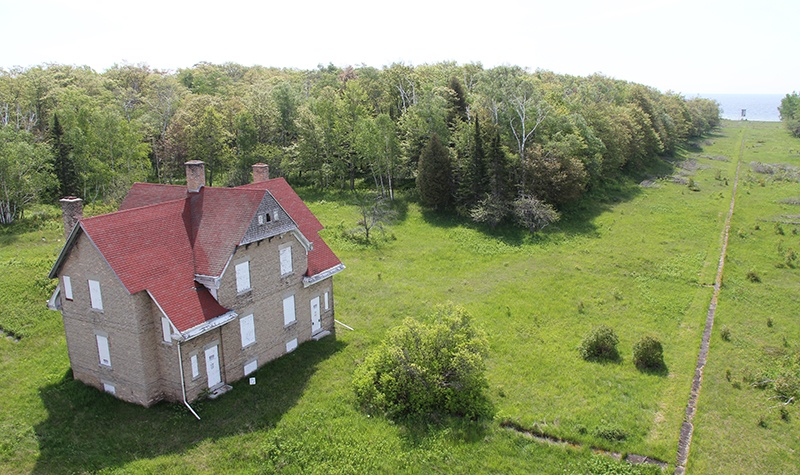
(762, 107)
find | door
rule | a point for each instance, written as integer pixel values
(212, 366)
(316, 325)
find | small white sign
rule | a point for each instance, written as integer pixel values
(252, 381)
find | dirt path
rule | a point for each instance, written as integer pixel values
(687, 428)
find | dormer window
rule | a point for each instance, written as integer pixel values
(264, 218)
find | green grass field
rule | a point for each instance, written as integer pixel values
(637, 258)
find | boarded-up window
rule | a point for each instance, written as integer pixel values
(102, 350)
(67, 287)
(109, 388)
(94, 295)
(291, 345)
(195, 367)
(250, 367)
(243, 276)
(166, 330)
(248, 330)
(288, 310)
(286, 260)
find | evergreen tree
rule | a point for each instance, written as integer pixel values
(498, 169)
(63, 163)
(474, 182)
(435, 175)
(458, 102)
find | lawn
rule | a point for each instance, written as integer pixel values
(739, 427)
(639, 259)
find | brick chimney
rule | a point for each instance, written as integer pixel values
(195, 175)
(72, 212)
(260, 172)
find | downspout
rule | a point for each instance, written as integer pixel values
(183, 382)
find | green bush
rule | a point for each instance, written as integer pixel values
(423, 369)
(648, 354)
(600, 344)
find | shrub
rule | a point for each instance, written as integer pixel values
(753, 276)
(599, 344)
(533, 214)
(725, 333)
(648, 354)
(427, 369)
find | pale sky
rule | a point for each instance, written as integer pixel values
(687, 46)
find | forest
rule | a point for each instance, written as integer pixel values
(489, 143)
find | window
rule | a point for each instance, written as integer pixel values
(195, 368)
(166, 330)
(286, 260)
(250, 367)
(288, 310)
(248, 330)
(243, 276)
(67, 287)
(260, 219)
(327, 306)
(109, 388)
(102, 350)
(291, 345)
(94, 295)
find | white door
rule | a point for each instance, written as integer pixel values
(315, 320)
(212, 366)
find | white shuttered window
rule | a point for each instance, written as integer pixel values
(243, 276)
(248, 330)
(288, 310)
(286, 260)
(102, 350)
(67, 287)
(95, 296)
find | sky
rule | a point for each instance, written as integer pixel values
(684, 46)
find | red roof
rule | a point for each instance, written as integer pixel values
(163, 237)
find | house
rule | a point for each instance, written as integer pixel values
(188, 288)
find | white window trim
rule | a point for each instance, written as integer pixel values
(327, 302)
(289, 310)
(95, 295)
(67, 288)
(242, 270)
(247, 330)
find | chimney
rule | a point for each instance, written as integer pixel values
(195, 175)
(72, 212)
(260, 172)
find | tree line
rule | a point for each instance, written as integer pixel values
(490, 143)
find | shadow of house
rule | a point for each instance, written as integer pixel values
(87, 430)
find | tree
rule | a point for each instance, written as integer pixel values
(25, 171)
(423, 369)
(64, 165)
(790, 113)
(474, 183)
(374, 212)
(435, 176)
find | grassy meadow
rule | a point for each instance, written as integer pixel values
(639, 255)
